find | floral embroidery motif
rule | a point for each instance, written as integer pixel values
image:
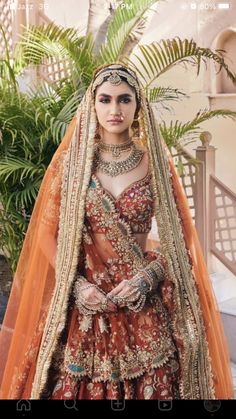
(121, 346)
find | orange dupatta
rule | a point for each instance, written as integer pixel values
(32, 288)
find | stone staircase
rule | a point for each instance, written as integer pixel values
(225, 291)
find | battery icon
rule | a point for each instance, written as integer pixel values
(223, 6)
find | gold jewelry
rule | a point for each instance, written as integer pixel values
(85, 307)
(104, 305)
(114, 73)
(115, 168)
(138, 305)
(115, 149)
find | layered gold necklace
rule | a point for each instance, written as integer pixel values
(115, 168)
(116, 149)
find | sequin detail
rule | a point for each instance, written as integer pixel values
(134, 204)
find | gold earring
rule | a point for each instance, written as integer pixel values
(97, 135)
(135, 128)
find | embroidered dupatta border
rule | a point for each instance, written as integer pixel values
(75, 180)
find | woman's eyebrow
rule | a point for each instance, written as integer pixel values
(122, 95)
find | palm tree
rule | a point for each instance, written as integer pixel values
(32, 123)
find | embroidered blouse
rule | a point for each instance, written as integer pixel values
(135, 204)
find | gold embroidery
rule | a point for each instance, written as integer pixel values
(100, 208)
(127, 365)
(51, 212)
(128, 353)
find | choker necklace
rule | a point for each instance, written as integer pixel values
(116, 149)
(115, 168)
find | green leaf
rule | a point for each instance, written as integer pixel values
(124, 22)
(158, 57)
(184, 133)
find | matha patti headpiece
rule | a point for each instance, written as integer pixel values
(114, 73)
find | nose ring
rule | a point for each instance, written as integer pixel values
(119, 114)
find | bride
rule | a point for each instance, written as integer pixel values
(97, 310)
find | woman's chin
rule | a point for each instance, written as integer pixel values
(116, 129)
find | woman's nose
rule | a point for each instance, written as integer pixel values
(115, 111)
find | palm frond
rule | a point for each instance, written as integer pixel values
(158, 57)
(13, 226)
(18, 169)
(162, 94)
(187, 132)
(38, 44)
(126, 19)
(60, 124)
(7, 72)
(54, 109)
(25, 196)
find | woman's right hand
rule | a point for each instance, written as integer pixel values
(94, 299)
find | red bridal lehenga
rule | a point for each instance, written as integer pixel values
(126, 354)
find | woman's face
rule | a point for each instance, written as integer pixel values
(115, 107)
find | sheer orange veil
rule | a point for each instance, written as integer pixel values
(32, 288)
(35, 314)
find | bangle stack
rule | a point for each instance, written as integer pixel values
(82, 284)
(138, 305)
(146, 280)
(153, 274)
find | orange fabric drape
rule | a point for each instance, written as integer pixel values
(32, 287)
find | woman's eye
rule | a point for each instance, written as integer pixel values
(104, 101)
(125, 100)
